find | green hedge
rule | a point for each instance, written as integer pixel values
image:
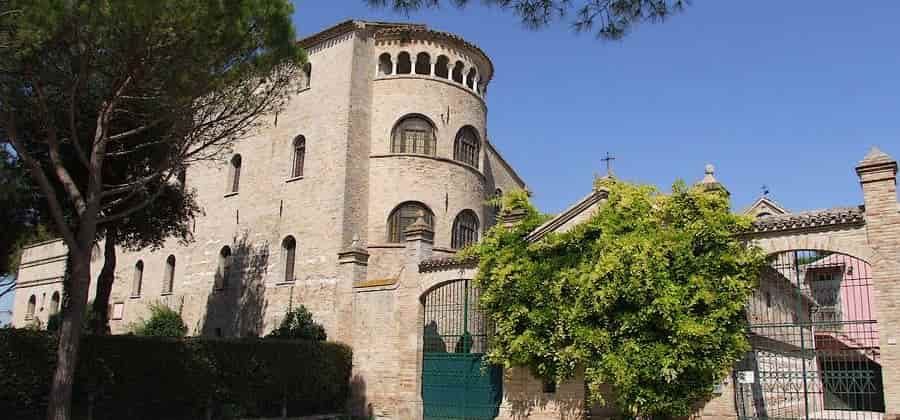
(129, 377)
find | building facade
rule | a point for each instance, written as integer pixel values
(354, 199)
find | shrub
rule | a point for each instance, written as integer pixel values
(140, 378)
(163, 322)
(299, 324)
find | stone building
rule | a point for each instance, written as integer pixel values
(353, 200)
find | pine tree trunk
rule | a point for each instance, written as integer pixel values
(100, 320)
(60, 402)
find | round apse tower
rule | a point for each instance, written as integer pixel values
(429, 127)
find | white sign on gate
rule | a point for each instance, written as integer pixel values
(746, 377)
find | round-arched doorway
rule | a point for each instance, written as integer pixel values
(456, 384)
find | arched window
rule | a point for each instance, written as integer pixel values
(404, 63)
(289, 250)
(138, 280)
(223, 270)
(405, 215)
(442, 67)
(458, 72)
(467, 146)
(54, 303)
(234, 183)
(413, 134)
(470, 79)
(465, 229)
(423, 63)
(385, 65)
(307, 75)
(169, 279)
(32, 303)
(299, 156)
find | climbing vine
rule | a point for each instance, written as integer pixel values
(646, 296)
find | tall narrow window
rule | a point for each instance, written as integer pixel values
(299, 156)
(289, 250)
(32, 303)
(442, 67)
(54, 303)
(465, 229)
(467, 146)
(235, 181)
(405, 215)
(414, 134)
(404, 63)
(223, 270)
(423, 64)
(138, 280)
(307, 75)
(169, 279)
(385, 65)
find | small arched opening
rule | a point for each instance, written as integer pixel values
(289, 252)
(385, 65)
(404, 63)
(442, 67)
(458, 72)
(223, 269)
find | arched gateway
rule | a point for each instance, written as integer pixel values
(456, 384)
(815, 343)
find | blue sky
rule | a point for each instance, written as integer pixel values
(790, 94)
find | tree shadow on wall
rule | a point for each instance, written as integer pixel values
(524, 399)
(358, 405)
(236, 305)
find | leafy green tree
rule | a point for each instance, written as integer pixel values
(181, 78)
(20, 211)
(648, 296)
(163, 322)
(608, 19)
(298, 324)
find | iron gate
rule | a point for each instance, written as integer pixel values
(815, 349)
(455, 382)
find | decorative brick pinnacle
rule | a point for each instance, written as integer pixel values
(876, 160)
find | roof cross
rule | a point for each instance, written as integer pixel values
(608, 161)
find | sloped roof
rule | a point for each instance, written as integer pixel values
(767, 203)
(568, 214)
(811, 219)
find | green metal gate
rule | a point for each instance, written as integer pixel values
(815, 348)
(456, 384)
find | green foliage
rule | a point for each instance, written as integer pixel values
(163, 322)
(152, 378)
(647, 295)
(298, 323)
(609, 19)
(21, 213)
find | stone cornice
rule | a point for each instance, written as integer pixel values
(449, 263)
(833, 217)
